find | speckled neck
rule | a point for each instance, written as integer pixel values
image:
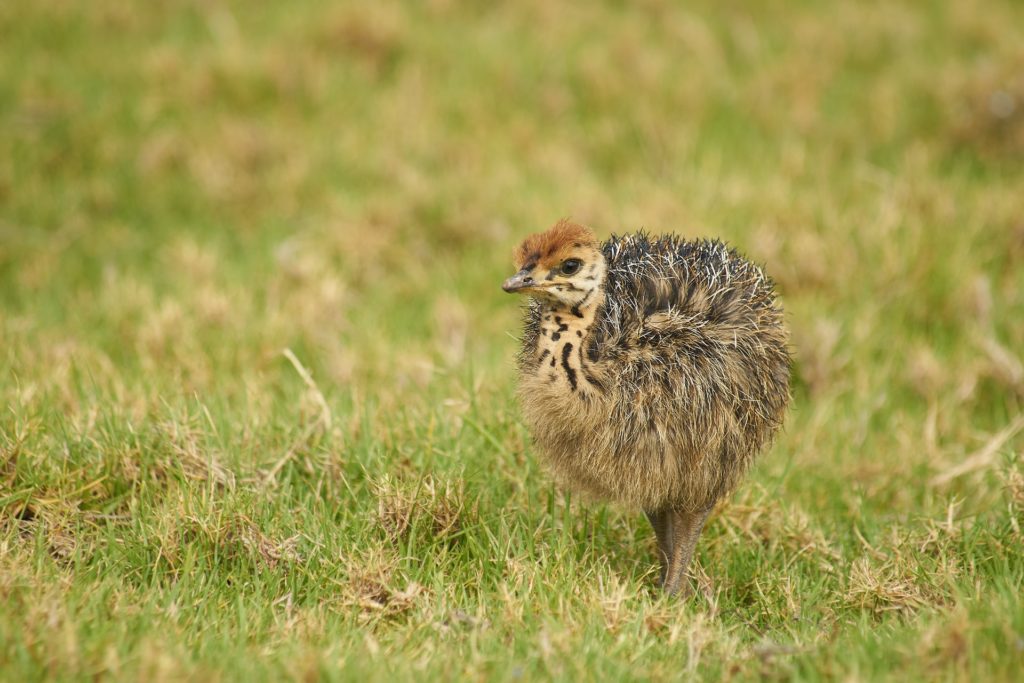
(561, 344)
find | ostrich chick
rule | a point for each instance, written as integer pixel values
(652, 372)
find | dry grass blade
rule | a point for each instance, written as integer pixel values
(983, 458)
(325, 410)
(323, 424)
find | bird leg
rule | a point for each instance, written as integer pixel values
(683, 529)
(660, 521)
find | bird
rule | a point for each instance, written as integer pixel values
(652, 372)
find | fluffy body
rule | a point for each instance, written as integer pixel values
(659, 388)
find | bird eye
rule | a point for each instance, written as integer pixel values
(570, 266)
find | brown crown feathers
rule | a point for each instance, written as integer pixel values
(551, 246)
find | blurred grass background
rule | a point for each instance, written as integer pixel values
(187, 189)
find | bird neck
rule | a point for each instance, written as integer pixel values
(562, 341)
(560, 320)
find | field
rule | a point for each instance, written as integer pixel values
(257, 371)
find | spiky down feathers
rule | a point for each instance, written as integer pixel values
(688, 368)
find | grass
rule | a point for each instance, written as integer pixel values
(257, 372)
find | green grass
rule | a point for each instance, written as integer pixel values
(188, 189)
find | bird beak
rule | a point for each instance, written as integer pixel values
(519, 281)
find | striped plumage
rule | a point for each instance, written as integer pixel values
(652, 374)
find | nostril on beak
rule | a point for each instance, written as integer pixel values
(518, 281)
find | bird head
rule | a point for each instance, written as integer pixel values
(563, 265)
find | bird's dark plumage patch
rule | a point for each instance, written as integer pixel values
(570, 373)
